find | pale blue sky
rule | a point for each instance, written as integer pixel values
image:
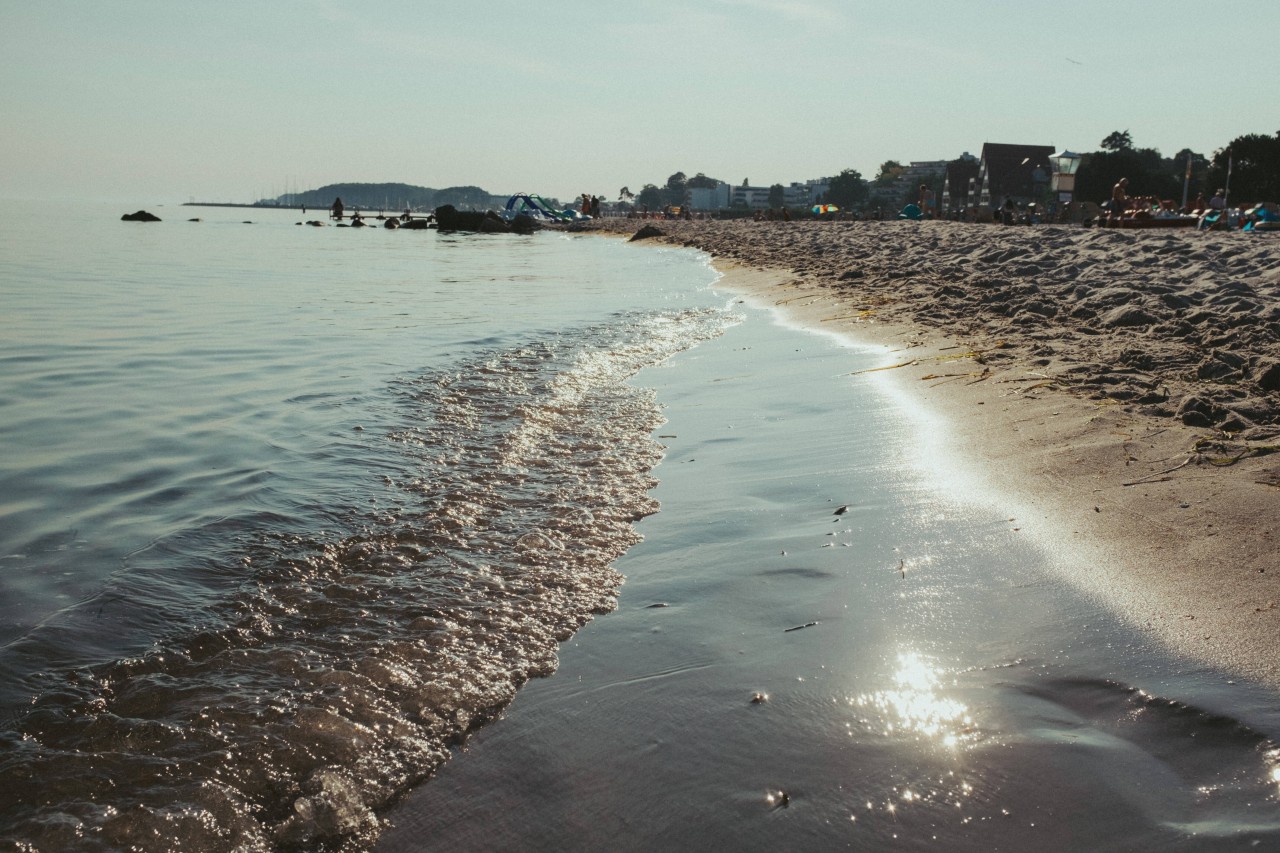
(156, 101)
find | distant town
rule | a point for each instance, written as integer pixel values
(1023, 174)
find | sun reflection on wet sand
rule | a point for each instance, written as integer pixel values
(916, 705)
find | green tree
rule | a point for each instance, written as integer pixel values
(650, 197)
(890, 171)
(1118, 140)
(847, 190)
(674, 192)
(1255, 168)
(1149, 174)
(701, 181)
(777, 195)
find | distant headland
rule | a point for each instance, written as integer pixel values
(376, 197)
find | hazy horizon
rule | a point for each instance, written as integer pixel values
(143, 101)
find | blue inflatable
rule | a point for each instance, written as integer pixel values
(533, 205)
(911, 211)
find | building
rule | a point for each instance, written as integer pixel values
(1019, 172)
(921, 171)
(754, 198)
(709, 198)
(959, 184)
(722, 195)
(808, 193)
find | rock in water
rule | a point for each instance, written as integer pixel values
(645, 233)
(140, 216)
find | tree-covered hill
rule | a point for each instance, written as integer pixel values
(389, 197)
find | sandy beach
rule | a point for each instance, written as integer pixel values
(1122, 387)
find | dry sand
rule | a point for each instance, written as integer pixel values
(1122, 389)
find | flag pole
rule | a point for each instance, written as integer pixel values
(1226, 190)
(1186, 182)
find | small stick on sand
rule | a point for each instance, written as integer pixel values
(1150, 477)
(886, 367)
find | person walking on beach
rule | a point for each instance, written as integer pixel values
(1119, 200)
(335, 212)
(926, 201)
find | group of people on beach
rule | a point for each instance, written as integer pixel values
(591, 205)
(1211, 213)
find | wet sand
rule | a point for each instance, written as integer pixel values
(835, 634)
(1122, 387)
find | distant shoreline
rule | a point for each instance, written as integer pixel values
(233, 204)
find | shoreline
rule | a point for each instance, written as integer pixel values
(1171, 523)
(833, 635)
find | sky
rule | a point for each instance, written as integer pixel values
(156, 101)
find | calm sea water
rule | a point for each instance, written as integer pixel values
(286, 510)
(288, 513)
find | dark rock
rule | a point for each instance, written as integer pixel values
(449, 218)
(140, 216)
(416, 224)
(391, 223)
(523, 223)
(645, 233)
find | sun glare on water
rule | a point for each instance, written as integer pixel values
(915, 704)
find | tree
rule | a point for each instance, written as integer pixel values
(625, 194)
(1147, 171)
(777, 195)
(1118, 140)
(650, 197)
(889, 172)
(1255, 167)
(847, 190)
(674, 192)
(702, 182)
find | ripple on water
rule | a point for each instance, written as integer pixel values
(345, 667)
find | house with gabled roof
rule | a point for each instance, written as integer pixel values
(1020, 172)
(960, 183)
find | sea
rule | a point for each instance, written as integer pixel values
(322, 538)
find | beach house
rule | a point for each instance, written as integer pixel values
(1020, 172)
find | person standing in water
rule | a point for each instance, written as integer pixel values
(335, 212)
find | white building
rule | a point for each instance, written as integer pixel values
(754, 198)
(713, 198)
(808, 193)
